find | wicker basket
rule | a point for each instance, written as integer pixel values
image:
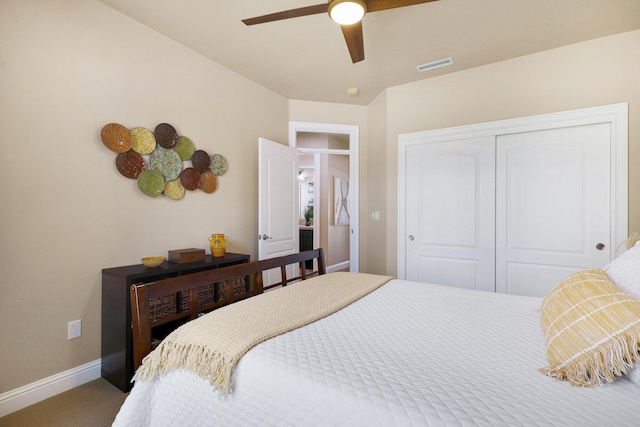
(162, 307)
(170, 305)
(238, 284)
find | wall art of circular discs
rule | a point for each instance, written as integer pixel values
(162, 161)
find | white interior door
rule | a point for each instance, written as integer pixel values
(278, 206)
(450, 213)
(552, 206)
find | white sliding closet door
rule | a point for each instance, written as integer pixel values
(513, 206)
(552, 206)
(451, 222)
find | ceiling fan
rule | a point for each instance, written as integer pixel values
(347, 13)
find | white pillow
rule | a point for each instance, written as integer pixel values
(624, 271)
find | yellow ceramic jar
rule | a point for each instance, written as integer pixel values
(218, 244)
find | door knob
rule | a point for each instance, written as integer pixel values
(411, 238)
(264, 237)
(600, 246)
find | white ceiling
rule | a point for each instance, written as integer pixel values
(307, 59)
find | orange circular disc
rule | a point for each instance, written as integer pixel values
(208, 182)
(116, 137)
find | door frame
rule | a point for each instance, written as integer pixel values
(615, 114)
(354, 186)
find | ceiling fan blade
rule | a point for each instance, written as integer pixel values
(293, 13)
(377, 5)
(355, 41)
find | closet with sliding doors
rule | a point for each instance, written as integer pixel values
(513, 206)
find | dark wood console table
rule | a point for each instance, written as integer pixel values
(117, 336)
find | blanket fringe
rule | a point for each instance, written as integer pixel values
(202, 361)
(609, 360)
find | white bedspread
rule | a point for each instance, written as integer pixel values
(408, 354)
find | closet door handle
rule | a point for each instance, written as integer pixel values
(411, 238)
(600, 246)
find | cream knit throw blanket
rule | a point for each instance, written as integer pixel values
(211, 345)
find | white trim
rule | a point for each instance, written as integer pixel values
(338, 267)
(316, 202)
(354, 173)
(38, 391)
(616, 114)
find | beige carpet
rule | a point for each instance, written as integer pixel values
(93, 404)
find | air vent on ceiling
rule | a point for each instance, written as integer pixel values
(435, 64)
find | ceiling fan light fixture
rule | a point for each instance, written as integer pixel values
(347, 12)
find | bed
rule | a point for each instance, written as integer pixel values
(403, 354)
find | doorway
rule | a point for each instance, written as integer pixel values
(335, 225)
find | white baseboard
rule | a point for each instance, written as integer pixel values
(35, 392)
(338, 267)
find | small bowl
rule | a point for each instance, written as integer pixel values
(153, 261)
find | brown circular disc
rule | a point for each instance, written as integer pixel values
(208, 182)
(201, 161)
(116, 137)
(130, 164)
(166, 135)
(190, 179)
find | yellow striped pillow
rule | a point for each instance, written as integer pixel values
(592, 329)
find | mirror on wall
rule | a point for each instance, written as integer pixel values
(307, 189)
(307, 196)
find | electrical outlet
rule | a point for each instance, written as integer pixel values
(74, 329)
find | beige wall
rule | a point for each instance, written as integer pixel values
(67, 67)
(377, 185)
(598, 72)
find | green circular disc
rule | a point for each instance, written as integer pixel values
(218, 164)
(184, 148)
(151, 183)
